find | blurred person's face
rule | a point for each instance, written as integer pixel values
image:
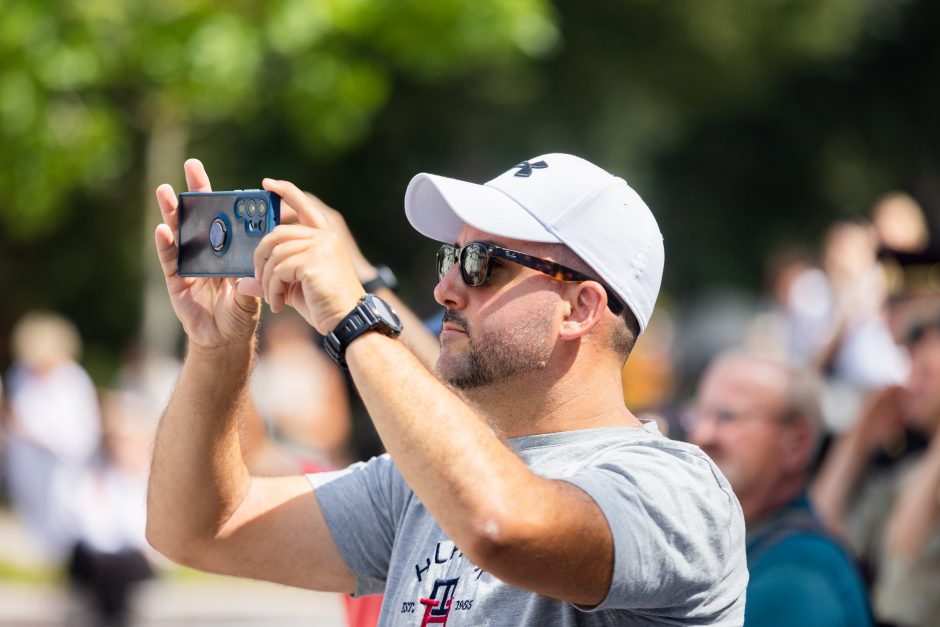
(922, 392)
(900, 225)
(737, 421)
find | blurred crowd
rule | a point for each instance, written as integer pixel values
(820, 402)
(75, 458)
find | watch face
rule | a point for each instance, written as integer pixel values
(384, 312)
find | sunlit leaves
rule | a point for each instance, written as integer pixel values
(81, 79)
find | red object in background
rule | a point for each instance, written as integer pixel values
(364, 611)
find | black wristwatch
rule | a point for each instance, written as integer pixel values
(385, 278)
(371, 314)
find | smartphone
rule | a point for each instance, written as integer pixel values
(219, 231)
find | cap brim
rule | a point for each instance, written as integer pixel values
(438, 207)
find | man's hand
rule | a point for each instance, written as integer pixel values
(212, 311)
(304, 265)
(364, 270)
(415, 336)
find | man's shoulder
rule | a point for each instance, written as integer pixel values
(672, 461)
(611, 441)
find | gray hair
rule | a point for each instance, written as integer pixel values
(802, 394)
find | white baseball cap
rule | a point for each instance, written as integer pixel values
(554, 198)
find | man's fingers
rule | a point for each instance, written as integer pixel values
(307, 213)
(166, 249)
(244, 298)
(166, 200)
(279, 253)
(319, 204)
(196, 178)
(284, 274)
(288, 215)
(249, 287)
(281, 233)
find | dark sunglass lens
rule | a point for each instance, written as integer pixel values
(474, 260)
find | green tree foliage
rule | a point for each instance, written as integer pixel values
(744, 124)
(741, 122)
(100, 100)
(82, 80)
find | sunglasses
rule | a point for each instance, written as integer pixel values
(476, 262)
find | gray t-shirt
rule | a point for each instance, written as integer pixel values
(677, 528)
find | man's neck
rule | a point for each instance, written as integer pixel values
(535, 403)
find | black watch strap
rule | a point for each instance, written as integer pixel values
(365, 317)
(385, 278)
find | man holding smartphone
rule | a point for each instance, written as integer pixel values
(518, 489)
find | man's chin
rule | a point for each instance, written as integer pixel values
(458, 374)
(446, 368)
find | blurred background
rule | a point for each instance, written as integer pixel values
(759, 133)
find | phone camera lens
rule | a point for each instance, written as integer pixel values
(240, 208)
(217, 234)
(251, 207)
(262, 207)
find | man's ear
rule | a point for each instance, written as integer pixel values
(587, 303)
(798, 445)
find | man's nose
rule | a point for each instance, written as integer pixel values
(451, 292)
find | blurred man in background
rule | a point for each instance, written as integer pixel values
(759, 419)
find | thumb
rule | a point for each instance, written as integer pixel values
(308, 213)
(246, 300)
(250, 287)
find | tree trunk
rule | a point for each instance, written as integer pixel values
(163, 163)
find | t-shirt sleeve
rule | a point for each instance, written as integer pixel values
(676, 528)
(363, 505)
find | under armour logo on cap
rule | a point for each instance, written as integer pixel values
(526, 167)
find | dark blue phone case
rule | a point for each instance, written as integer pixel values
(219, 231)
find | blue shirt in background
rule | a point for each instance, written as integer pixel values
(800, 575)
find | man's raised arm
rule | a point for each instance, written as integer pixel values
(204, 509)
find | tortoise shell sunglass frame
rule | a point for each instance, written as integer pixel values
(475, 262)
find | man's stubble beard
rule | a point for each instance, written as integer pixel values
(494, 357)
